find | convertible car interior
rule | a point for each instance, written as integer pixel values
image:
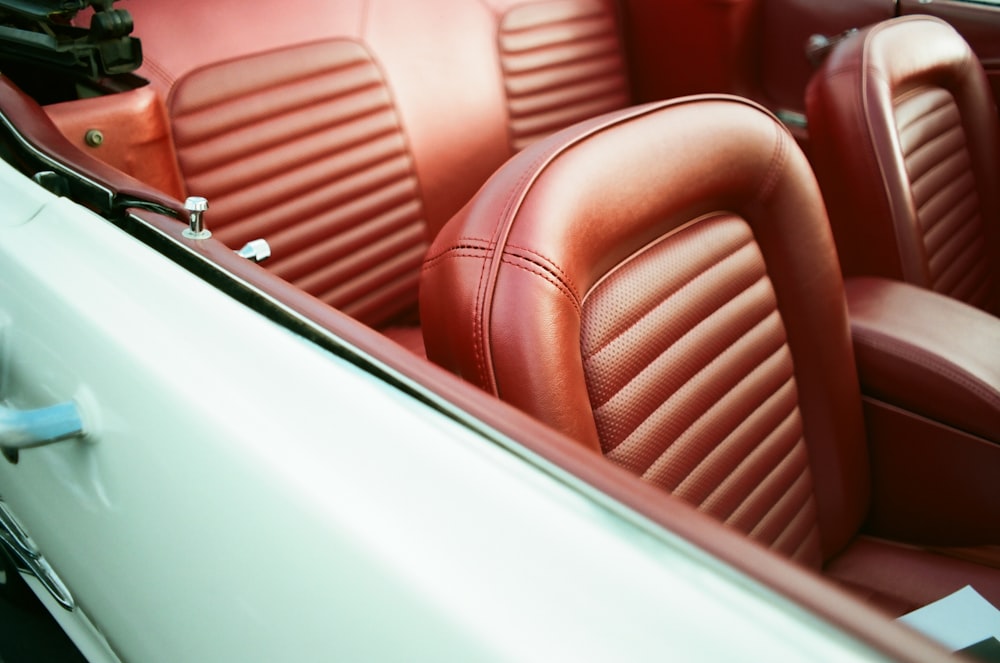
(742, 256)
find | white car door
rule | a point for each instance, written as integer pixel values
(239, 493)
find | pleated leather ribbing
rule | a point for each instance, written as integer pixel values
(692, 386)
(303, 147)
(936, 154)
(562, 63)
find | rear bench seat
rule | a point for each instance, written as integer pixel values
(347, 132)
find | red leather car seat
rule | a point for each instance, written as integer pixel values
(347, 132)
(905, 140)
(661, 284)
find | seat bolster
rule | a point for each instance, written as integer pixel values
(846, 150)
(927, 353)
(461, 267)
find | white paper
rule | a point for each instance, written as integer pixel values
(958, 620)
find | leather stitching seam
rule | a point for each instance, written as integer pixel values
(545, 273)
(549, 265)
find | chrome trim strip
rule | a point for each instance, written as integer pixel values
(25, 556)
(59, 166)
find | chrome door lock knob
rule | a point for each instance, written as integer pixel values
(196, 206)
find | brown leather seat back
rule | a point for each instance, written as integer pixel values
(661, 284)
(905, 139)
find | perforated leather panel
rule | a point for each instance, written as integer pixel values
(303, 147)
(936, 154)
(562, 63)
(691, 382)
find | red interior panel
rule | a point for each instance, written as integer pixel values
(129, 131)
(691, 46)
(788, 25)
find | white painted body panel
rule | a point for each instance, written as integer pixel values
(245, 496)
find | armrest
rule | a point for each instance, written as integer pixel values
(928, 354)
(929, 368)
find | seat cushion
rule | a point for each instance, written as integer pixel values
(899, 579)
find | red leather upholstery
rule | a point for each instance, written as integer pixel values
(347, 132)
(927, 354)
(692, 46)
(930, 373)
(135, 135)
(661, 284)
(540, 291)
(562, 62)
(905, 140)
(302, 146)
